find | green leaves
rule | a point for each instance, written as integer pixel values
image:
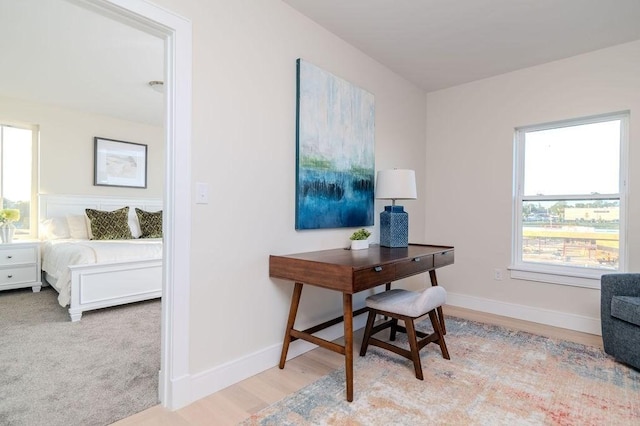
(361, 234)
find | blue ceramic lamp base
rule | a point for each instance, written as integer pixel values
(394, 227)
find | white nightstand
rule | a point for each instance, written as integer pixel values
(20, 265)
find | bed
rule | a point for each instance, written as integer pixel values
(93, 274)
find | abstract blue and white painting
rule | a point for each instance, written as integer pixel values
(335, 169)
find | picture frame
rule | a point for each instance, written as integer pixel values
(119, 163)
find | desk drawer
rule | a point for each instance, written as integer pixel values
(443, 258)
(377, 275)
(17, 275)
(414, 266)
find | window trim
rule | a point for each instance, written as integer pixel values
(555, 274)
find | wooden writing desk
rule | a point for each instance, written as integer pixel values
(351, 271)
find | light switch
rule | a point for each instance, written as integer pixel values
(202, 193)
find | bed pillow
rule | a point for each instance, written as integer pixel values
(150, 223)
(55, 228)
(78, 226)
(112, 225)
(134, 226)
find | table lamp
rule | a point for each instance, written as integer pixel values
(396, 184)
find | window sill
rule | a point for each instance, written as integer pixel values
(586, 279)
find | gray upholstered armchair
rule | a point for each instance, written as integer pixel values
(620, 317)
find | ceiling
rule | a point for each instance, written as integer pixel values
(442, 43)
(59, 53)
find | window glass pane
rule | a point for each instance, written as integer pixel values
(16, 172)
(584, 233)
(575, 160)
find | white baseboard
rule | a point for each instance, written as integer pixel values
(222, 376)
(179, 393)
(527, 313)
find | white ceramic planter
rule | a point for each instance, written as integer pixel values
(6, 232)
(359, 244)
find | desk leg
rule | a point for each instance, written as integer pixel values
(348, 342)
(434, 282)
(293, 311)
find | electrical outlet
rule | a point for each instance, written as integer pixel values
(497, 274)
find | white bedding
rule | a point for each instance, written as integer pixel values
(58, 255)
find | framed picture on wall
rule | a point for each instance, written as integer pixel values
(118, 163)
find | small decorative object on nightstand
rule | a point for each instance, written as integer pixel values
(395, 185)
(20, 265)
(7, 228)
(6, 232)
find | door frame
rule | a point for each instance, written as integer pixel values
(176, 32)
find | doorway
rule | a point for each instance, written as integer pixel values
(175, 35)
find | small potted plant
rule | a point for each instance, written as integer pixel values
(359, 239)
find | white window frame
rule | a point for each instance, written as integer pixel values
(559, 274)
(35, 167)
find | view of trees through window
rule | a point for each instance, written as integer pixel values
(15, 173)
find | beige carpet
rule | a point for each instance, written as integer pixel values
(496, 376)
(92, 372)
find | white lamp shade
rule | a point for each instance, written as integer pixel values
(396, 184)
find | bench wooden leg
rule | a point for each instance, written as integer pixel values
(438, 330)
(394, 329)
(413, 344)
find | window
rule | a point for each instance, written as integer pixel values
(18, 175)
(569, 185)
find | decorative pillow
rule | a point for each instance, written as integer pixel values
(109, 225)
(150, 223)
(78, 226)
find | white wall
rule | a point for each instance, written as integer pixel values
(66, 147)
(469, 165)
(244, 100)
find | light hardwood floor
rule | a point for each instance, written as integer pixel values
(235, 403)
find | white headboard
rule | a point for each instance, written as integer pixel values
(59, 206)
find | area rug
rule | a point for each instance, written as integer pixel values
(496, 376)
(93, 372)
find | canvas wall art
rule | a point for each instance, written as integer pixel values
(335, 170)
